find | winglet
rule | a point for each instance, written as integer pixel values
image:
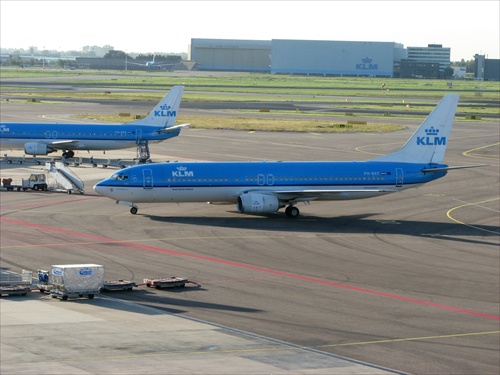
(428, 143)
(165, 112)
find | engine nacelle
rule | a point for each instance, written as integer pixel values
(257, 203)
(34, 148)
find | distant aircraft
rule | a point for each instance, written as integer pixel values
(265, 187)
(152, 64)
(44, 138)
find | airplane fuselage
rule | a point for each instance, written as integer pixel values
(79, 136)
(265, 187)
(226, 181)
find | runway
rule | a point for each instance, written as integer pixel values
(408, 281)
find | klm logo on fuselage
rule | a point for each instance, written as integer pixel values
(165, 111)
(366, 65)
(4, 129)
(182, 172)
(431, 138)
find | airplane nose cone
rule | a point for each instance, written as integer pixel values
(99, 189)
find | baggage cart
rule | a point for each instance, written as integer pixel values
(123, 285)
(14, 290)
(166, 282)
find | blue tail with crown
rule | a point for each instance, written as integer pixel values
(428, 143)
(165, 112)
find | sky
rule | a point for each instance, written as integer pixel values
(467, 27)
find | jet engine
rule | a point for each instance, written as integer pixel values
(250, 203)
(34, 148)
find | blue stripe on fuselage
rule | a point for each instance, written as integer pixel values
(277, 174)
(81, 132)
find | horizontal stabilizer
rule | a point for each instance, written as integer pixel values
(440, 169)
(173, 128)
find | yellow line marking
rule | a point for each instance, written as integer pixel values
(469, 225)
(411, 339)
(467, 153)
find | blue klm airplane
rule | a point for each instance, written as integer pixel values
(45, 138)
(265, 187)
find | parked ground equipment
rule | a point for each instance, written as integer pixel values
(36, 181)
(113, 286)
(64, 177)
(72, 280)
(167, 282)
(16, 285)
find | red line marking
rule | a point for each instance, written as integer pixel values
(257, 268)
(19, 206)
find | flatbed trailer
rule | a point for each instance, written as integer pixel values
(112, 286)
(14, 290)
(166, 282)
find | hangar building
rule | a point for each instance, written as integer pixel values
(227, 54)
(298, 56)
(335, 57)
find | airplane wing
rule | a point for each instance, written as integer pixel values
(63, 145)
(171, 64)
(293, 196)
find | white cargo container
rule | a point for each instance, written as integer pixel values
(76, 280)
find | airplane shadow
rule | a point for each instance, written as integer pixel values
(350, 224)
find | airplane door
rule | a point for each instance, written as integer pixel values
(54, 135)
(138, 135)
(147, 179)
(270, 179)
(260, 179)
(399, 177)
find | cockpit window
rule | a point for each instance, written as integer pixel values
(119, 177)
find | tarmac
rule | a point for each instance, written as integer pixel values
(105, 335)
(424, 296)
(44, 335)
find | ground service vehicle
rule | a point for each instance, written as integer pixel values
(36, 181)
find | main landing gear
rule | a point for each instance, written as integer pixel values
(68, 154)
(292, 211)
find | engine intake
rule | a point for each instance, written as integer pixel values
(34, 148)
(257, 203)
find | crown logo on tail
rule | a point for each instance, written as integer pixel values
(432, 131)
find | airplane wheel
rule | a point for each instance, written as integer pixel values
(292, 211)
(133, 210)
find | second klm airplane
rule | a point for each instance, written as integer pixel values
(44, 138)
(265, 187)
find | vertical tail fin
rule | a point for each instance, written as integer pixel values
(428, 143)
(165, 112)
